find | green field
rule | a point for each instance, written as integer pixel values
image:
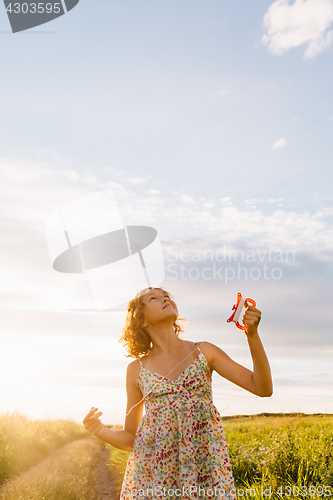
(292, 454)
(272, 456)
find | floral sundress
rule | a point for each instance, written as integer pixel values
(180, 449)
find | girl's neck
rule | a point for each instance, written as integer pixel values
(165, 342)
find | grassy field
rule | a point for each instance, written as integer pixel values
(277, 457)
(46, 459)
(283, 452)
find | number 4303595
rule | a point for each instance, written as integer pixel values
(34, 8)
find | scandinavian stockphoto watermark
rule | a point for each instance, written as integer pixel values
(226, 263)
(26, 14)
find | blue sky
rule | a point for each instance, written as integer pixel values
(212, 122)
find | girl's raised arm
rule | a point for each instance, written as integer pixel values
(258, 381)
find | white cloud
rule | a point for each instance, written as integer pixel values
(279, 144)
(208, 205)
(153, 191)
(186, 198)
(274, 200)
(28, 195)
(136, 180)
(227, 200)
(303, 22)
(253, 201)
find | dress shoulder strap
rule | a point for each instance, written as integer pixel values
(197, 344)
(140, 362)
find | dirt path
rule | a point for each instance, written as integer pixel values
(104, 489)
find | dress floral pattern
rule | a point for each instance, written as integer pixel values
(180, 449)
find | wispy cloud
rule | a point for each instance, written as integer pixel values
(153, 191)
(279, 144)
(303, 22)
(185, 198)
(28, 198)
(254, 201)
(136, 180)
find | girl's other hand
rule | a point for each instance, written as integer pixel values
(251, 319)
(92, 423)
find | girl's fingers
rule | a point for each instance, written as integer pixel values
(89, 414)
(252, 313)
(95, 417)
(253, 309)
(251, 318)
(251, 321)
(90, 419)
(93, 426)
(96, 427)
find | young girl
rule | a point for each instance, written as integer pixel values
(178, 449)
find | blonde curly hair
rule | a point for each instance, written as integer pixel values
(137, 341)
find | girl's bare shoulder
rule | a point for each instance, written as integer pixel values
(208, 350)
(133, 369)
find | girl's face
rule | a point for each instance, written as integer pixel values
(158, 307)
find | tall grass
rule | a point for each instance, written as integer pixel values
(25, 442)
(280, 453)
(67, 473)
(298, 450)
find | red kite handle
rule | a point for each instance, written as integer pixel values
(237, 308)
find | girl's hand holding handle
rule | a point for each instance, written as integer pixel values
(251, 319)
(92, 423)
